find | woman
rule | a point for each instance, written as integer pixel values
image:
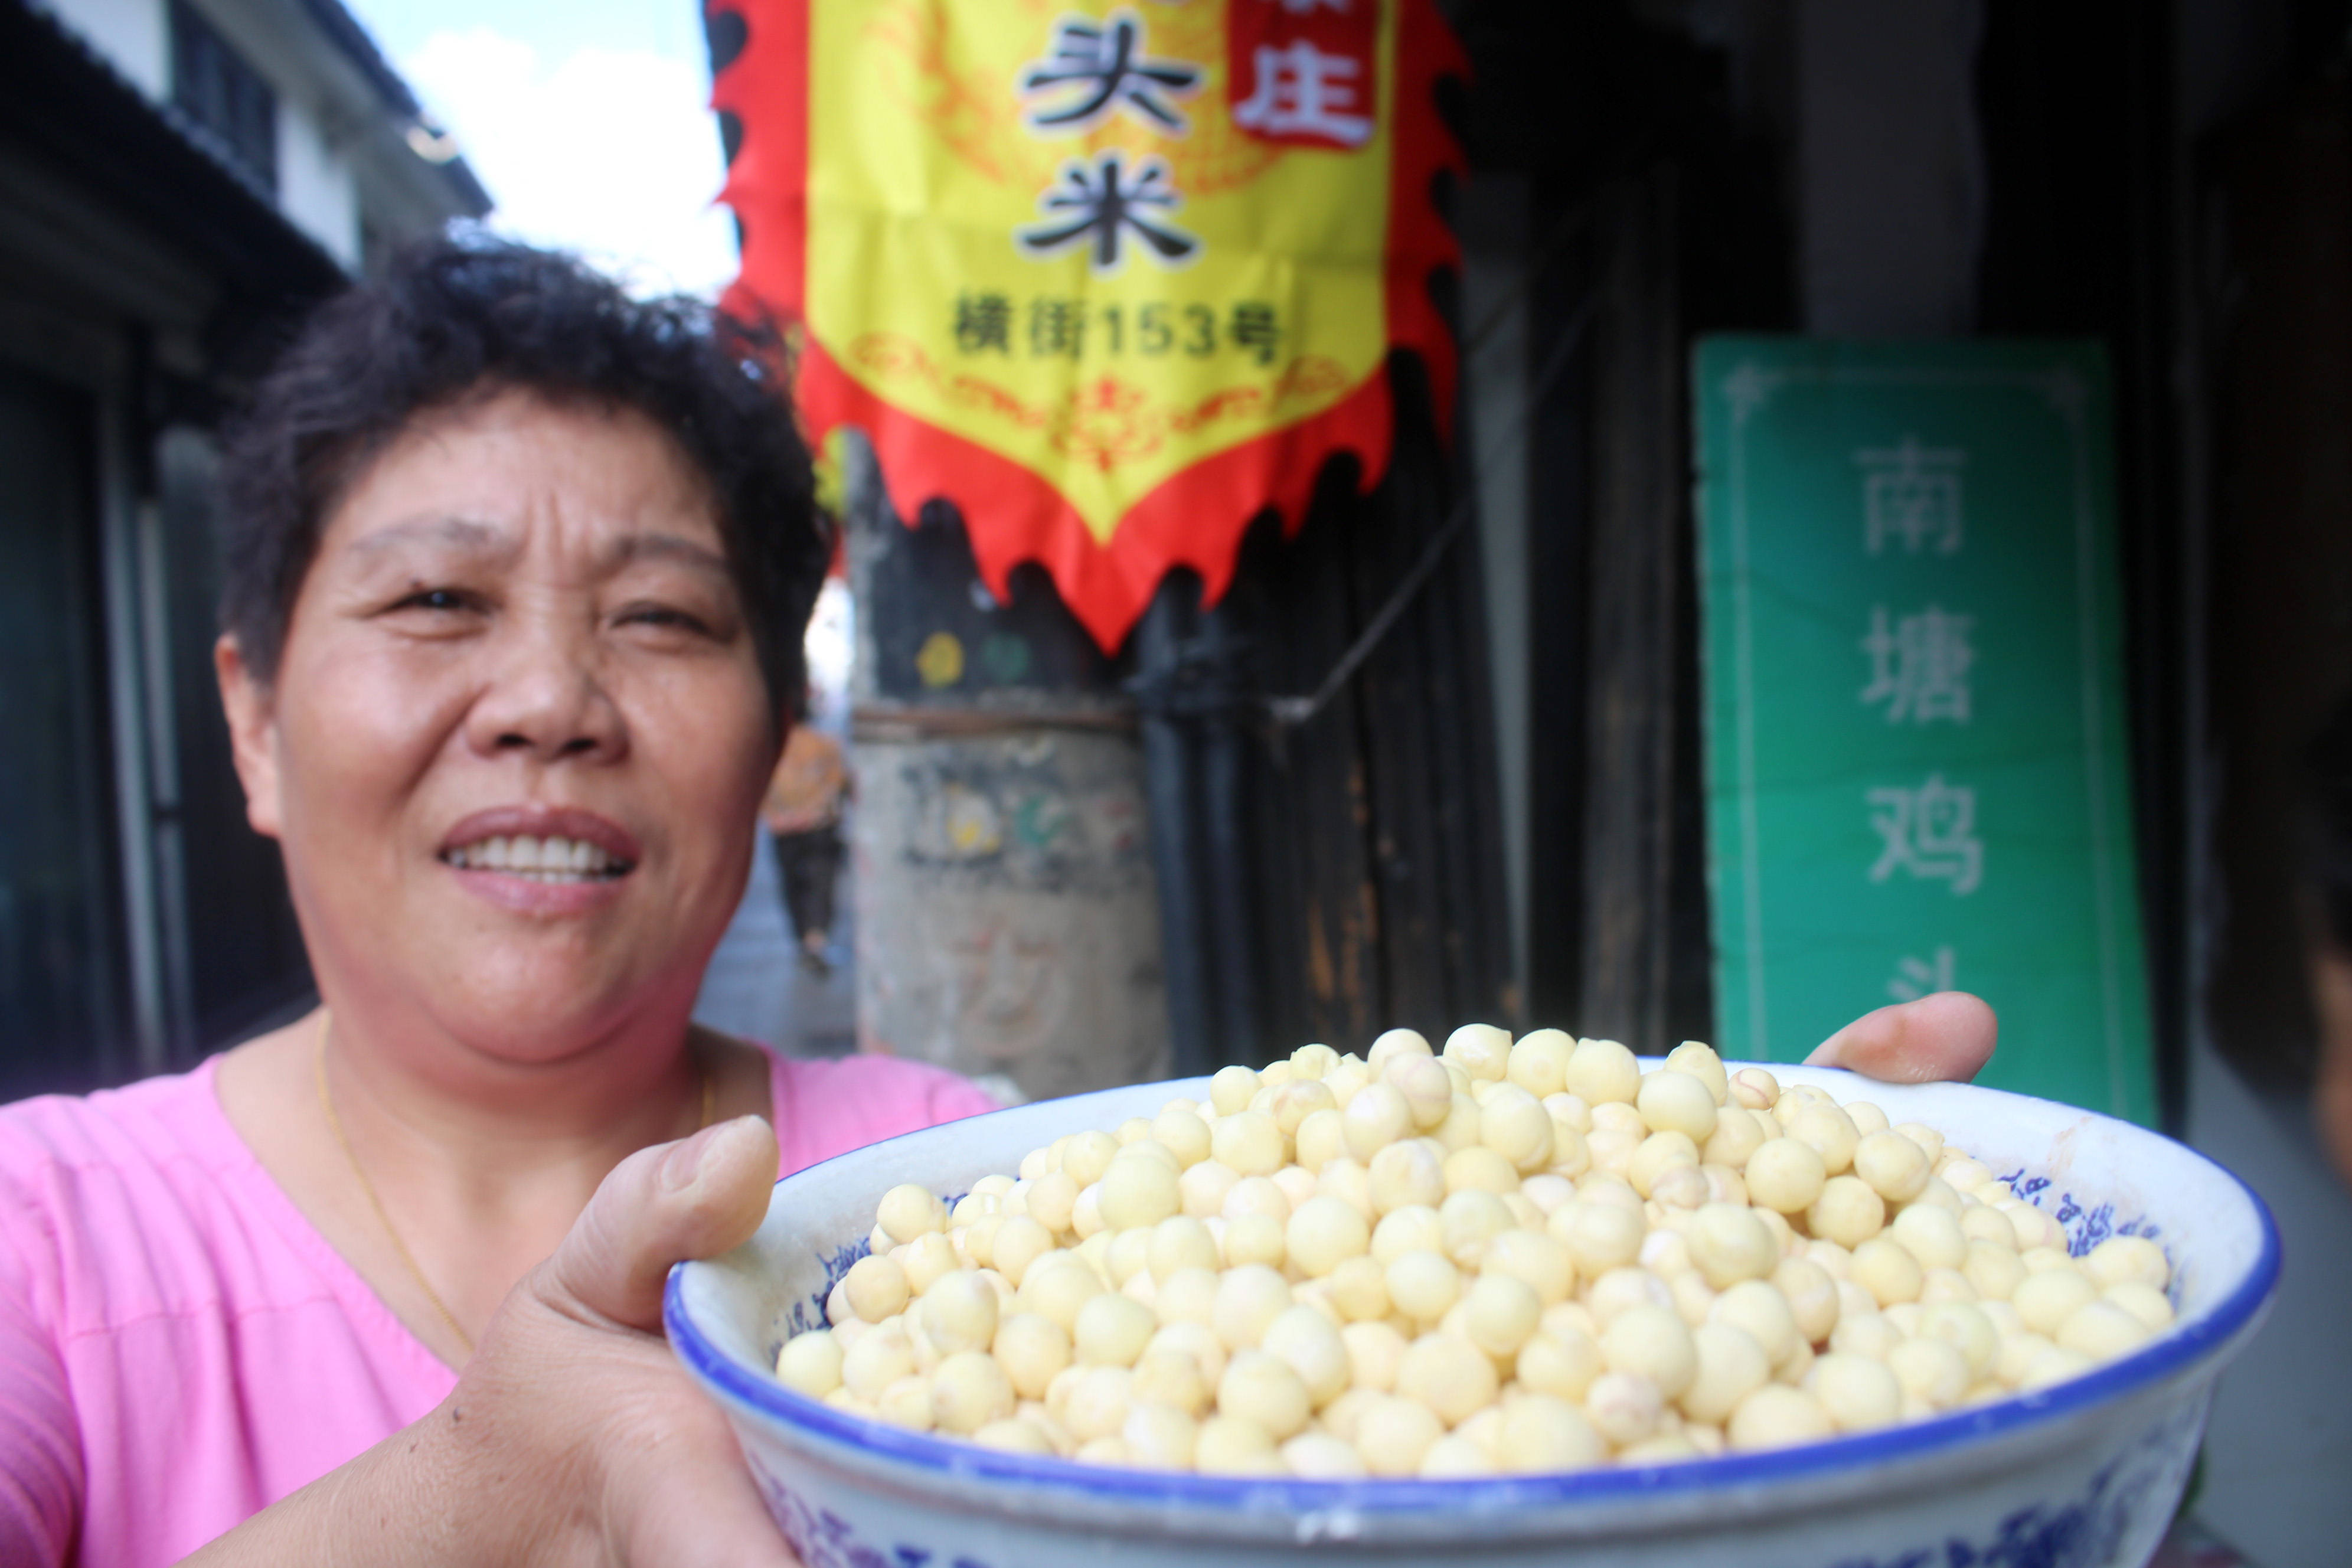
(514, 606)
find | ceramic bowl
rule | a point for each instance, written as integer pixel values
(2082, 1475)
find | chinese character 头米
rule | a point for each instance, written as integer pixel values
(1928, 833)
(1919, 667)
(1100, 206)
(1911, 495)
(1098, 68)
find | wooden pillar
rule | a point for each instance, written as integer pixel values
(1637, 561)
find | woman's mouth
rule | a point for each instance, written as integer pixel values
(539, 860)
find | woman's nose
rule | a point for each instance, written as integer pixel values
(544, 694)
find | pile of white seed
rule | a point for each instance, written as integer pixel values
(1507, 1258)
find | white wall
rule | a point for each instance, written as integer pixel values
(315, 187)
(133, 35)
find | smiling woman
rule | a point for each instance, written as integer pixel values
(517, 597)
(521, 626)
(517, 576)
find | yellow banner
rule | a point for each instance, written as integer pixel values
(1035, 223)
(1113, 276)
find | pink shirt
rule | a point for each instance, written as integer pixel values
(179, 1348)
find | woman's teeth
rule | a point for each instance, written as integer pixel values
(541, 860)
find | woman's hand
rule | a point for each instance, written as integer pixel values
(573, 1436)
(632, 1463)
(1945, 1037)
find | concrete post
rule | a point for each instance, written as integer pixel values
(1007, 922)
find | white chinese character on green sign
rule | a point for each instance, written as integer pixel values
(1928, 832)
(1917, 978)
(1919, 667)
(1912, 494)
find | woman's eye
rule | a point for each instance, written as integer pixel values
(663, 615)
(434, 599)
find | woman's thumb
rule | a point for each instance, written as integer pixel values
(1945, 1037)
(695, 1198)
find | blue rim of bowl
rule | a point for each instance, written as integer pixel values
(2178, 1351)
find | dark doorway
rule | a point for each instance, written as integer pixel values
(61, 979)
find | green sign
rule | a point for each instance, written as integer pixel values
(1914, 721)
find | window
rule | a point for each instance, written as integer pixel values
(212, 85)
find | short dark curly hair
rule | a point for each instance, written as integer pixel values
(465, 316)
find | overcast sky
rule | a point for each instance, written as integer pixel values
(587, 120)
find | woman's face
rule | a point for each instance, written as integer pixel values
(518, 731)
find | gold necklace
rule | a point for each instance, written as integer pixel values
(327, 1104)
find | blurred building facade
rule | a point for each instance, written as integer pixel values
(1499, 812)
(178, 177)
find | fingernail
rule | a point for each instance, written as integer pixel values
(683, 1163)
(682, 1167)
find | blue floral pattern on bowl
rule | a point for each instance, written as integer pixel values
(2086, 1225)
(822, 1539)
(2083, 1531)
